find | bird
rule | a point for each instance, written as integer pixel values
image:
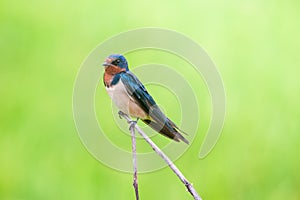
(131, 97)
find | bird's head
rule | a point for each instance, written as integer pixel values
(116, 60)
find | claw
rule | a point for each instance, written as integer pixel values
(121, 114)
(132, 124)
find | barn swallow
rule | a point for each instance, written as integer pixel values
(132, 98)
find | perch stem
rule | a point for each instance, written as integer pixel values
(135, 178)
(187, 184)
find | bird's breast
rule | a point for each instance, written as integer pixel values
(124, 101)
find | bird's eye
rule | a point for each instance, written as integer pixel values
(116, 62)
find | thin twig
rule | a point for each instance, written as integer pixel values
(187, 184)
(135, 179)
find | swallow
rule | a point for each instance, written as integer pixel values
(132, 98)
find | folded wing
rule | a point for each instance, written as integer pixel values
(156, 119)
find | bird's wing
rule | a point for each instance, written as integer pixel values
(138, 92)
(157, 119)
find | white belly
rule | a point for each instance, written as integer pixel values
(123, 101)
(119, 96)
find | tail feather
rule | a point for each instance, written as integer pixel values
(169, 129)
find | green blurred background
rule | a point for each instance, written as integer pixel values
(255, 45)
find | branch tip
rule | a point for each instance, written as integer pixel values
(132, 128)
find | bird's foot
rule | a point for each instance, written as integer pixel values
(121, 114)
(133, 123)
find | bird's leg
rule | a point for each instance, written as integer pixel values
(133, 123)
(121, 114)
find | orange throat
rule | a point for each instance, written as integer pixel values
(109, 74)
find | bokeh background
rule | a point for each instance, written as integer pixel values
(255, 45)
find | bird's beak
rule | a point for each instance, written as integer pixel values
(106, 64)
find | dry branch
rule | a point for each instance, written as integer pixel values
(133, 125)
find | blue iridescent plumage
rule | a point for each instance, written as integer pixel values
(125, 89)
